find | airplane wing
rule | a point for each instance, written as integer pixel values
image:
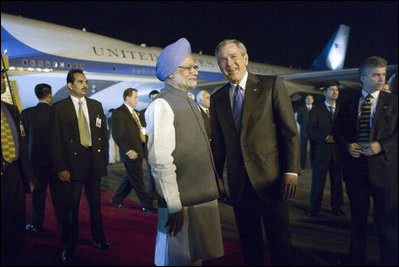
(308, 82)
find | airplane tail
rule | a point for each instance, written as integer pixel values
(333, 55)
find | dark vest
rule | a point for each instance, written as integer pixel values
(195, 169)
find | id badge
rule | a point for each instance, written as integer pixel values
(98, 122)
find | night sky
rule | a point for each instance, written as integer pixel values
(278, 32)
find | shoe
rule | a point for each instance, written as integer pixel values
(350, 260)
(118, 205)
(312, 212)
(66, 255)
(102, 245)
(338, 212)
(33, 229)
(149, 210)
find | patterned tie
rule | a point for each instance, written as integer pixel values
(331, 110)
(7, 141)
(207, 112)
(136, 119)
(364, 120)
(237, 106)
(83, 127)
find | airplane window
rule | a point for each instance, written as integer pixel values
(69, 65)
(133, 70)
(81, 66)
(75, 65)
(153, 72)
(148, 71)
(55, 64)
(24, 62)
(48, 64)
(62, 65)
(40, 63)
(114, 68)
(33, 62)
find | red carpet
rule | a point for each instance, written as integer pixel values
(131, 233)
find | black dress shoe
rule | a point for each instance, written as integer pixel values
(312, 212)
(338, 212)
(66, 255)
(149, 210)
(102, 245)
(118, 205)
(351, 260)
(33, 229)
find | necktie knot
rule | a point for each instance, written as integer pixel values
(369, 99)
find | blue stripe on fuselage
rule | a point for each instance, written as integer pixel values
(21, 55)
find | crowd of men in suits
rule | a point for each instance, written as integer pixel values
(246, 126)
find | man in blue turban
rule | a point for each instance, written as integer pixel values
(182, 165)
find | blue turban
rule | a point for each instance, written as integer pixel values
(171, 57)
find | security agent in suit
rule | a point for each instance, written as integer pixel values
(203, 99)
(79, 160)
(152, 192)
(262, 154)
(16, 179)
(37, 124)
(326, 154)
(129, 137)
(204, 102)
(303, 119)
(370, 161)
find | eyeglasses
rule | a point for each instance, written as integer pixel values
(190, 68)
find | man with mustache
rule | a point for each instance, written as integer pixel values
(80, 156)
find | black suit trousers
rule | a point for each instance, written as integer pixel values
(13, 215)
(319, 176)
(44, 176)
(250, 212)
(133, 180)
(359, 190)
(69, 205)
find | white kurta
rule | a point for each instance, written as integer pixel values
(200, 237)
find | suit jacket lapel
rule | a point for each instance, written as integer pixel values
(225, 107)
(251, 94)
(379, 111)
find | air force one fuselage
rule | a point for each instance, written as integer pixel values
(41, 52)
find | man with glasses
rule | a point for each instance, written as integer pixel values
(181, 162)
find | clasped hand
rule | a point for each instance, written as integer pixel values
(366, 149)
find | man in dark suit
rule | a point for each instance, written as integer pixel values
(80, 156)
(37, 124)
(261, 143)
(129, 135)
(302, 119)
(368, 129)
(326, 158)
(204, 102)
(152, 192)
(16, 179)
(203, 99)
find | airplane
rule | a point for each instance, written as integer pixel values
(42, 52)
